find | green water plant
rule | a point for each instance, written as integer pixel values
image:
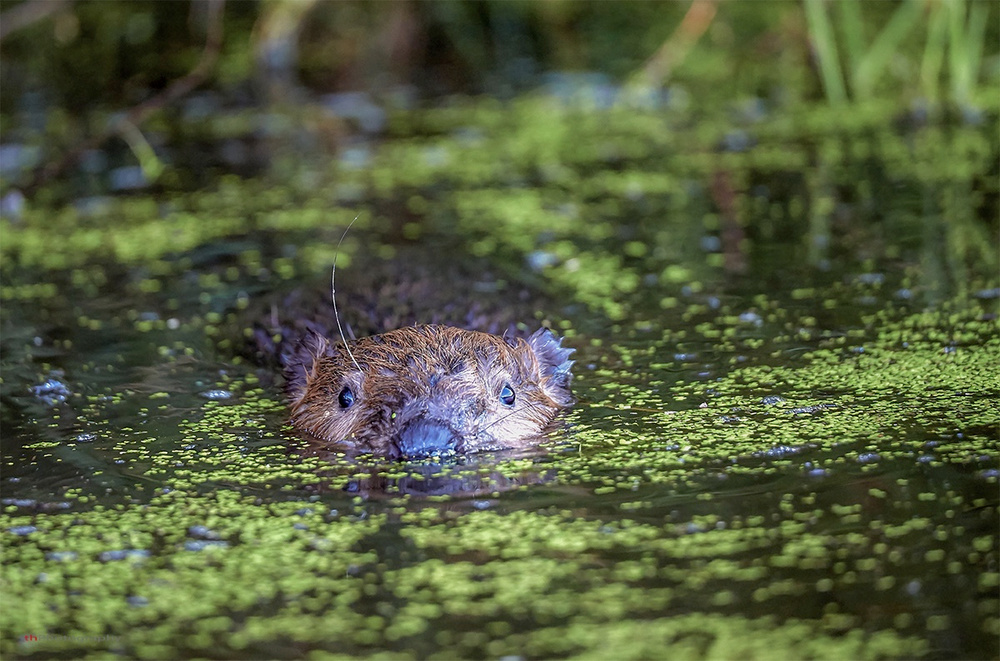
(954, 28)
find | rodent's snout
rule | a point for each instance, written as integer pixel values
(425, 438)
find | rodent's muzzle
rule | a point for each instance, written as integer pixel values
(426, 438)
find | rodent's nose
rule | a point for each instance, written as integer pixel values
(423, 438)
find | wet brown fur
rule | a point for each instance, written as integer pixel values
(441, 374)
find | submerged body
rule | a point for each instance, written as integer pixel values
(428, 390)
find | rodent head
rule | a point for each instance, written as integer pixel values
(429, 390)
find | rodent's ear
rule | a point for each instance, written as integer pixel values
(299, 364)
(314, 345)
(554, 363)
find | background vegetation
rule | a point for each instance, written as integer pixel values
(71, 69)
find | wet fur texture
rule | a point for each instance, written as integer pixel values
(434, 375)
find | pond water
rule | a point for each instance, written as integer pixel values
(784, 445)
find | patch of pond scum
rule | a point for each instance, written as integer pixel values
(840, 505)
(794, 471)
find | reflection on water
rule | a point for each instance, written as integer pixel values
(471, 476)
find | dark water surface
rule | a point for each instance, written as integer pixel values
(778, 450)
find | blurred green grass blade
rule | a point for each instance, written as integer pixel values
(826, 51)
(966, 46)
(152, 166)
(937, 37)
(876, 60)
(853, 31)
(956, 49)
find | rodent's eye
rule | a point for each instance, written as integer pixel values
(346, 398)
(507, 395)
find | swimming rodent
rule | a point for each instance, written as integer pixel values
(421, 390)
(429, 390)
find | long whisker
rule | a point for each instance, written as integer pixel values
(333, 292)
